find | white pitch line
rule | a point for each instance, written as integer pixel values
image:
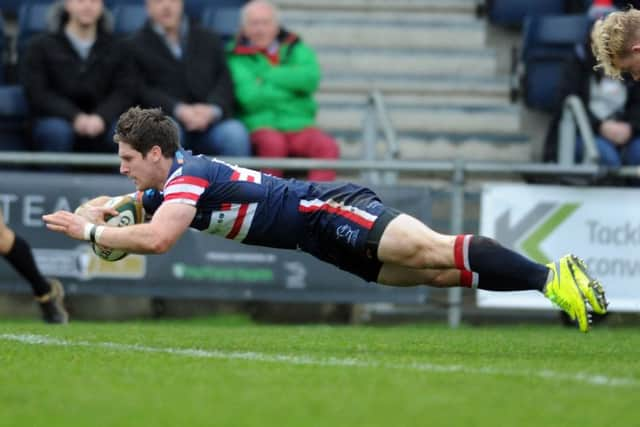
(580, 377)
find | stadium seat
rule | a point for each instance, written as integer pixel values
(128, 18)
(196, 8)
(32, 19)
(3, 54)
(13, 116)
(514, 12)
(110, 4)
(547, 42)
(224, 21)
(10, 7)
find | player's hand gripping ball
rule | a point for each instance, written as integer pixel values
(130, 212)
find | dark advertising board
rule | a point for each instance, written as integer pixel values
(199, 266)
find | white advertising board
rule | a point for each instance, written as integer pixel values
(600, 225)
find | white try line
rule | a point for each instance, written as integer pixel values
(579, 377)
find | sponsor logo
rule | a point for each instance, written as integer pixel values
(245, 274)
(81, 263)
(347, 233)
(530, 231)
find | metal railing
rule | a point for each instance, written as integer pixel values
(456, 170)
(574, 116)
(376, 117)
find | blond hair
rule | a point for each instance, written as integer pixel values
(612, 37)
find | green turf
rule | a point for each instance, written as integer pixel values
(426, 375)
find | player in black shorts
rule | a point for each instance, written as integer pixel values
(344, 224)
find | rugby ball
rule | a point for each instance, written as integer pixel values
(129, 212)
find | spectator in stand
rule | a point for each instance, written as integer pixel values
(77, 80)
(183, 70)
(275, 76)
(612, 106)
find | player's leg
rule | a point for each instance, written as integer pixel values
(408, 242)
(395, 275)
(48, 292)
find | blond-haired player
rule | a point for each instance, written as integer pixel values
(615, 41)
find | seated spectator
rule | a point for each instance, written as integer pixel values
(76, 79)
(275, 76)
(612, 107)
(184, 71)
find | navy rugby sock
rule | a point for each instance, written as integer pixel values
(21, 258)
(486, 264)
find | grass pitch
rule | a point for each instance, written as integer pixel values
(230, 372)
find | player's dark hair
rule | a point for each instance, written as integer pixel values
(142, 128)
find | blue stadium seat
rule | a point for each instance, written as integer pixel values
(513, 12)
(128, 18)
(10, 7)
(196, 8)
(13, 116)
(113, 3)
(224, 21)
(548, 41)
(3, 54)
(32, 19)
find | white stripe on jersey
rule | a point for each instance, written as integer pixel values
(337, 205)
(223, 222)
(175, 173)
(183, 188)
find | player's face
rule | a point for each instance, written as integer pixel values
(630, 64)
(141, 170)
(166, 13)
(84, 12)
(260, 25)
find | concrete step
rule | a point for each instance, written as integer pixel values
(396, 61)
(481, 88)
(499, 119)
(511, 147)
(414, 99)
(433, 6)
(427, 17)
(365, 31)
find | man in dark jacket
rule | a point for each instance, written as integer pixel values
(183, 71)
(76, 79)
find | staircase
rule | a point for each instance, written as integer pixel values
(430, 60)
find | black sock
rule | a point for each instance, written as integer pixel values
(498, 268)
(21, 258)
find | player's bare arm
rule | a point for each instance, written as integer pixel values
(158, 236)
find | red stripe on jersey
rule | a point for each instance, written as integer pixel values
(181, 195)
(192, 180)
(242, 213)
(351, 216)
(225, 206)
(458, 249)
(235, 175)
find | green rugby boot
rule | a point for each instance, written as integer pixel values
(564, 291)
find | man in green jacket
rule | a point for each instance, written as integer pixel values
(275, 76)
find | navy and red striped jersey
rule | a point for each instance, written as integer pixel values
(260, 209)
